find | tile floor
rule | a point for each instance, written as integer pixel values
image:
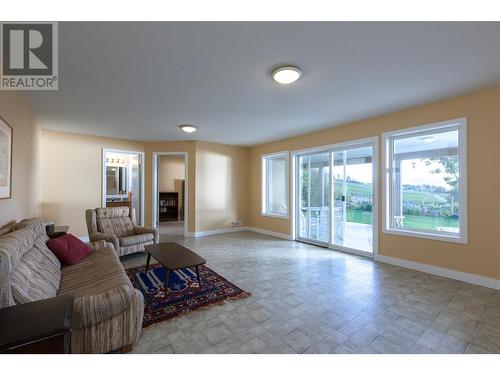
(171, 228)
(306, 299)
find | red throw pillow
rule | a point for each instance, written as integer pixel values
(69, 249)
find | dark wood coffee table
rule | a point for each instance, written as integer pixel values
(173, 256)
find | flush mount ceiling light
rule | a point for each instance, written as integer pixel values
(188, 128)
(286, 74)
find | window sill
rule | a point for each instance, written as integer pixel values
(426, 235)
(276, 216)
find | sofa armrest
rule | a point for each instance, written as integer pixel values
(92, 309)
(146, 230)
(98, 236)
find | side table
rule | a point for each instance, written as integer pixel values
(41, 327)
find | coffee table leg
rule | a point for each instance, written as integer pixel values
(167, 272)
(198, 276)
(147, 262)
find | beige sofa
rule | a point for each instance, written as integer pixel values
(118, 226)
(108, 311)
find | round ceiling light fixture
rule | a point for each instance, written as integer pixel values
(286, 74)
(188, 128)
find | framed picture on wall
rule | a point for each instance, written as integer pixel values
(5, 159)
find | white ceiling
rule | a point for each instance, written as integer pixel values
(141, 80)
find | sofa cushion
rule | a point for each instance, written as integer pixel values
(7, 228)
(136, 239)
(69, 249)
(36, 276)
(99, 272)
(28, 269)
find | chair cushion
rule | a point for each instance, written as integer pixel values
(118, 226)
(112, 212)
(136, 239)
(69, 249)
(97, 273)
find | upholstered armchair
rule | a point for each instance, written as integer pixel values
(118, 226)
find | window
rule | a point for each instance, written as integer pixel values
(425, 182)
(275, 184)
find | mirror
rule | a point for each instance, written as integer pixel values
(116, 180)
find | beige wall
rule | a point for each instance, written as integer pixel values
(71, 175)
(217, 175)
(481, 255)
(171, 168)
(172, 171)
(221, 185)
(25, 197)
(72, 180)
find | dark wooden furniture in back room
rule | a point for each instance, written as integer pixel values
(41, 327)
(173, 257)
(168, 206)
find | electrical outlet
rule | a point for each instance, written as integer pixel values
(236, 222)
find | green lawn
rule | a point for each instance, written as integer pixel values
(410, 221)
(428, 222)
(422, 196)
(357, 188)
(358, 216)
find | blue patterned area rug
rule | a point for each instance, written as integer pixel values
(184, 293)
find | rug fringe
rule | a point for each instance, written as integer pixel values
(234, 298)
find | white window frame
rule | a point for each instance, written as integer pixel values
(264, 179)
(459, 124)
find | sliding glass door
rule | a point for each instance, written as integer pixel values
(353, 198)
(346, 220)
(314, 197)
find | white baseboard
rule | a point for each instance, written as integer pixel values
(270, 233)
(470, 278)
(216, 231)
(238, 229)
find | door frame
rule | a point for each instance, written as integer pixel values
(154, 209)
(141, 155)
(370, 141)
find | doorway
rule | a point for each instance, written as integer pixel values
(170, 193)
(336, 196)
(123, 180)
